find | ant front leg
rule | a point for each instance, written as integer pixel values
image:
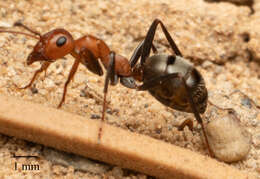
(44, 67)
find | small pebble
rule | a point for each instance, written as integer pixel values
(109, 111)
(82, 93)
(118, 172)
(207, 64)
(34, 90)
(95, 116)
(228, 140)
(246, 102)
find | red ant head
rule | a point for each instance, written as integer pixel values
(52, 45)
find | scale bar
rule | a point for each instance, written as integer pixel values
(25, 156)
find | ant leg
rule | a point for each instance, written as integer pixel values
(155, 51)
(157, 81)
(136, 55)
(109, 76)
(187, 122)
(170, 40)
(197, 115)
(149, 39)
(71, 75)
(44, 67)
(27, 28)
(138, 52)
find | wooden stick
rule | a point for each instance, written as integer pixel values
(72, 133)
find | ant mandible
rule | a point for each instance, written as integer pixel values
(171, 79)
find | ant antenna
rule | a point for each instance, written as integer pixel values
(27, 28)
(23, 33)
(16, 32)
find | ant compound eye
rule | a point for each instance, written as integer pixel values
(171, 60)
(61, 41)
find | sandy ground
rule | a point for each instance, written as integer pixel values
(222, 39)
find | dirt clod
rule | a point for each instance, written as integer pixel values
(229, 141)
